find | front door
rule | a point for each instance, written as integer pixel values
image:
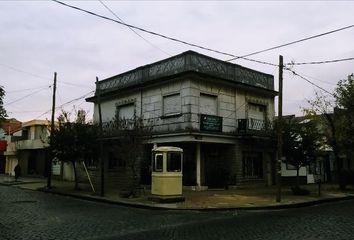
(216, 167)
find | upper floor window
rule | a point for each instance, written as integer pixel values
(125, 111)
(208, 104)
(256, 111)
(172, 105)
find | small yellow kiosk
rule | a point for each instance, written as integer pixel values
(166, 176)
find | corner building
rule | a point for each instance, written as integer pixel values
(220, 113)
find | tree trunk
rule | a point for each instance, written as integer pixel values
(75, 176)
(337, 159)
(297, 176)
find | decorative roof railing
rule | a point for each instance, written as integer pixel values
(188, 62)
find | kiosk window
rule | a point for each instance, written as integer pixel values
(174, 162)
(158, 163)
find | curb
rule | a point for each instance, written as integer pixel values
(154, 207)
(13, 183)
(206, 209)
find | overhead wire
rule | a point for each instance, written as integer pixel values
(292, 42)
(22, 71)
(25, 89)
(321, 62)
(161, 35)
(132, 29)
(26, 96)
(66, 103)
(309, 81)
(316, 79)
(234, 57)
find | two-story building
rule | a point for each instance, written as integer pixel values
(219, 113)
(27, 147)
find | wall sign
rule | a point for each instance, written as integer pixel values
(210, 123)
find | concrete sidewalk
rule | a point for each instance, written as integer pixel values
(246, 197)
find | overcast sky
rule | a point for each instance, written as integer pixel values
(40, 37)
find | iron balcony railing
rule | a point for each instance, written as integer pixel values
(188, 62)
(253, 125)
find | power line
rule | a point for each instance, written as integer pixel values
(293, 42)
(22, 71)
(66, 103)
(316, 79)
(132, 29)
(162, 35)
(17, 100)
(321, 62)
(309, 81)
(26, 89)
(37, 76)
(74, 84)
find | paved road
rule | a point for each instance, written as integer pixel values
(36, 215)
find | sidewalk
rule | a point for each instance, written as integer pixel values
(247, 197)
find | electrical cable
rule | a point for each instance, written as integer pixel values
(19, 99)
(309, 81)
(321, 62)
(291, 43)
(161, 35)
(139, 35)
(66, 103)
(26, 89)
(22, 71)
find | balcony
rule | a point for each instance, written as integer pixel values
(31, 144)
(188, 62)
(253, 126)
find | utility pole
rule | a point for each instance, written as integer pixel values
(49, 173)
(101, 159)
(280, 129)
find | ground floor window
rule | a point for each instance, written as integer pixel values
(252, 165)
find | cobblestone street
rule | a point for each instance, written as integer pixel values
(37, 215)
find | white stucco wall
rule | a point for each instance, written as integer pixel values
(292, 173)
(231, 104)
(68, 172)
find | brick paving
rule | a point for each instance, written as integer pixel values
(34, 215)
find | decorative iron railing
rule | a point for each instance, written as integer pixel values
(188, 62)
(251, 124)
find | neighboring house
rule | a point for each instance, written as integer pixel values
(219, 113)
(324, 167)
(289, 173)
(27, 147)
(8, 128)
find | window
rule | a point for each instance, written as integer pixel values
(172, 105)
(252, 165)
(174, 162)
(208, 104)
(158, 166)
(256, 111)
(125, 111)
(256, 116)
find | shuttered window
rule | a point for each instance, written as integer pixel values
(256, 111)
(256, 116)
(208, 104)
(125, 111)
(172, 104)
